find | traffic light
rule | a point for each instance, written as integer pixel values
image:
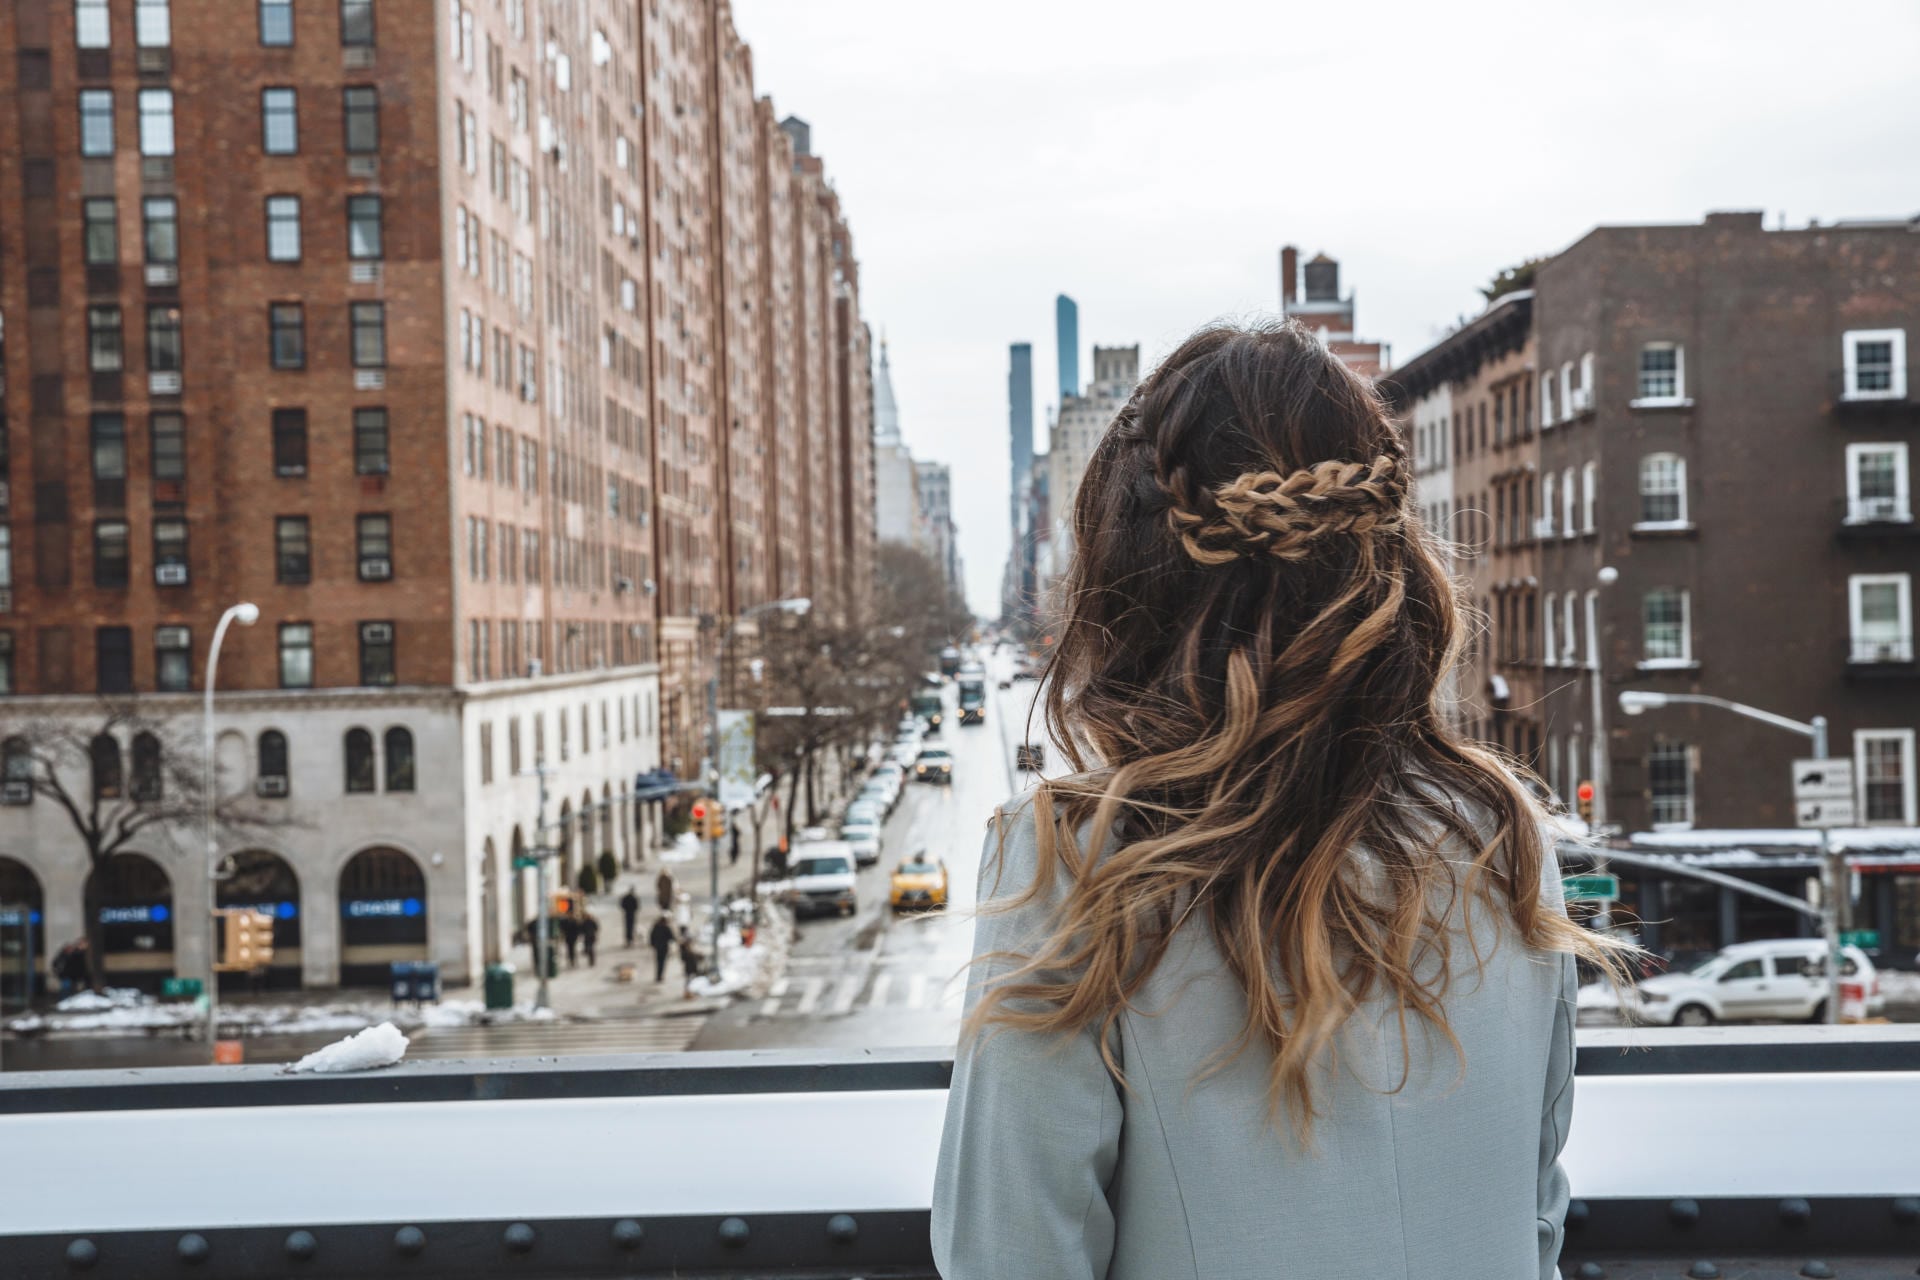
(246, 940)
(709, 820)
(1583, 795)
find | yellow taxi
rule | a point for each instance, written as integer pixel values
(919, 884)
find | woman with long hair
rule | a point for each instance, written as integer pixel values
(1277, 980)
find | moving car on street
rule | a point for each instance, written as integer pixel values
(935, 764)
(823, 879)
(919, 883)
(949, 661)
(928, 708)
(973, 699)
(1781, 979)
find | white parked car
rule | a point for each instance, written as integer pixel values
(823, 879)
(863, 837)
(863, 811)
(1779, 979)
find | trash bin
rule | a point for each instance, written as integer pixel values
(499, 984)
(400, 975)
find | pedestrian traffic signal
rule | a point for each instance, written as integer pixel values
(699, 812)
(1583, 795)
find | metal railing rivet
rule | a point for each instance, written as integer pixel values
(628, 1234)
(409, 1241)
(1703, 1270)
(734, 1232)
(82, 1255)
(193, 1248)
(1576, 1214)
(1684, 1213)
(519, 1238)
(842, 1228)
(1795, 1210)
(1590, 1271)
(301, 1245)
(1817, 1270)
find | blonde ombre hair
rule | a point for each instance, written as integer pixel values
(1251, 642)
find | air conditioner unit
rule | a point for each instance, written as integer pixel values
(17, 792)
(363, 273)
(376, 569)
(363, 166)
(357, 56)
(170, 575)
(271, 785)
(164, 382)
(377, 633)
(369, 379)
(162, 273)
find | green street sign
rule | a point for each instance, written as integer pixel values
(1591, 888)
(181, 988)
(525, 864)
(1865, 939)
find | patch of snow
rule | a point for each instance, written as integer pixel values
(375, 1047)
(1900, 986)
(95, 1001)
(1850, 838)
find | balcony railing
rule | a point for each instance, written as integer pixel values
(1880, 651)
(1756, 1151)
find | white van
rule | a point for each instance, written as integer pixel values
(1781, 979)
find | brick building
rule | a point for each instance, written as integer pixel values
(456, 338)
(1313, 298)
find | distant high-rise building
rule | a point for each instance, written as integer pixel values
(896, 501)
(1066, 327)
(1020, 422)
(1083, 420)
(1323, 310)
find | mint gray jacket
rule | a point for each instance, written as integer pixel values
(1049, 1170)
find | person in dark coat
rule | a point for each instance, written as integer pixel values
(690, 959)
(589, 935)
(663, 889)
(570, 931)
(660, 937)
(629, 913)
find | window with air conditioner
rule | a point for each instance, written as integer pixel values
(170, 552)
(1662, 375)
(173, 659)
(289, 443)
(377, 654)
(370, 447)
(374, 534)
(166, 354)
(110, 553)
(1880, 617)
(1875, 364)
(1877, 483)
(1884, 763)
(270, 764)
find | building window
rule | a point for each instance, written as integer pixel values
(1877, 484)
(105, 352)
(90, 27)
(287, 327)
(147, 784)
(96, 122)
(6, 661)
(1876, 364)
(296, 655)
(165, 352)
(173, 659)
(152, 24)
(363, 228)
(356, 22)
(289, 442)
(1884, 761)
(110, 553)
(113, 659)
(270, 763)
(167, 446)
(375, 538)
(101, 237)
(370, 442)
(103, 759)
(161, 230)
(399, 753)
(1664, 636)
(170, 551)
(1550, 653)
(1880, 609)
(1663, 489)
(360, 104)
(276, 22)
(283, 228)
(1589, 495)
(1593, 630)
(1546, 507)
(279, 121)
(156, 122)
(369, 325)
(376, 653)
(1569, 633)
(292, 550)
(360, 772)
(6, 573)
(1662, 373)
(107, 434)
(1670, 784)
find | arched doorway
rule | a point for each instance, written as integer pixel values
(587, 851)
(606, 827)
(23, 934)
(131, 899)
(383, 915)
(489, 905)
(567, 864)
(262, 881)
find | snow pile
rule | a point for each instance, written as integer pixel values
(751, 970)
(1900, 986)
(686, 848)
(380, 1046)
(126, 1012)
(100, 1001)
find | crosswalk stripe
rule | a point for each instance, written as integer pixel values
(771, 1005)
(847, 992)
(810, 996)
(881, 982)
(917, 991)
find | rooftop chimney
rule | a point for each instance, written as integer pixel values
(1289, 277)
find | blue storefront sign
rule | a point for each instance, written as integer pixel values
(13, 917)
(278, 910)
(381, 908)
(154, 913)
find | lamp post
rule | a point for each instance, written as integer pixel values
(246, 614)
(1606, 576)
(795, 605)
(1833, 872)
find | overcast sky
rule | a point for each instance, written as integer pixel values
(1150, 159)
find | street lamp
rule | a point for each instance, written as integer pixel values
(1833, 878)
(246, 614)
(798, 606)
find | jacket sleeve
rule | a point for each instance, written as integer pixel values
(1033, 1122)
(1554, 1121)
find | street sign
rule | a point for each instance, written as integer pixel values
(525, 864)
(737, 771)
(1591, 888)
(1822, 780)
(1865, 939)
(1824, 813)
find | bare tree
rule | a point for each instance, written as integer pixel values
(119, 775)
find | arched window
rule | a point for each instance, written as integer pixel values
(104, 753)
(146, 767)
(1569, 632)
(360, 776)
(1546, 504)
(1663, 488)
(1550, 655)
(271, 763)
(399, 759)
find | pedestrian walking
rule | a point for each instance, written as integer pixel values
(629, 913)
(663, 888)
(733, 849)
(1315, 948)
(661, 939)
(690, 959)
(570, 933)
(589, 935)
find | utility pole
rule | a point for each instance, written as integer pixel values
(541, 851)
